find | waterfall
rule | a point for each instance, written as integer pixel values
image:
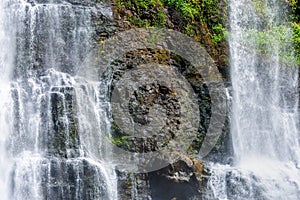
(55, 110)
(265, 99)
(264, 121)
(46, 107)
(6, 68)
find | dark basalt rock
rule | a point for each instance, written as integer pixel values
(181, 180)
(148, 95)
(133, 186)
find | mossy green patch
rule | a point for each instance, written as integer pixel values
(296, 39)
(279, 39)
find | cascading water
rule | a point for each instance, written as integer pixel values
(6, 68)
(264, 121)
(265, 100)
(46, 108)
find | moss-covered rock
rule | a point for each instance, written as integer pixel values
(204, 20)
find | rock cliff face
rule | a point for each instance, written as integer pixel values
(183, 179)
(180, 180)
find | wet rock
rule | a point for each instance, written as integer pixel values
(133, 186)
(181, 180)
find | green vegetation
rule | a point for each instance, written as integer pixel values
(197, 17)
(278, 36)
(150, 12)
(118, 137)
(203, 15)
(204, 20)
(295, 23)
(120, 141)
(219, 33)
(296, 39)
(274, 39)
(295, 9)
(188, 9)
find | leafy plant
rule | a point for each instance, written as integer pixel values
(219, 33)
(274, 39)
(188, 9)
(296, 40)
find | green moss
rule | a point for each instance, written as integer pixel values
(296, 39)
(219, 33)
(188, 9)
(198, 16)
(295, 9)
(138, 22)
(120, 141)
(160, 19)
(149, 12)
(118, 137)
(204, 20)
(295, 23)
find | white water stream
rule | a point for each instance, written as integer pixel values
(264, 122)
(46, 108)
